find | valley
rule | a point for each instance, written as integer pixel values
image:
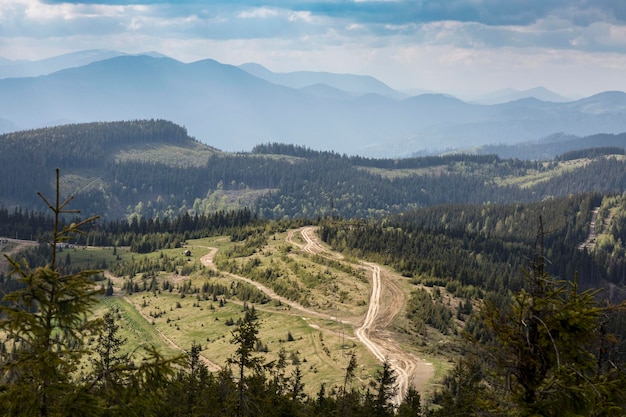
(309, 209)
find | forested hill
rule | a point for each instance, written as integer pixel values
(152, 168)
(84, 153)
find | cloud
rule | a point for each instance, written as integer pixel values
(564, 24)
(368, 37)
(489, 12)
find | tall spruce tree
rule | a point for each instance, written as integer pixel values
(386, 389)
(47, 321)
(246, 337)
(547, 354)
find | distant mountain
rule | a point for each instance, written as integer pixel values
(505, 96)
(23, 68)
(350, 83)
(231, 109)
(326, 91)
(550, 147)
(7, 126)
(607, 102)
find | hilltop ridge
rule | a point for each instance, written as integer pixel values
(154, 168)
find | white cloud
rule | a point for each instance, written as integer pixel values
(303, 16)
(258, 13)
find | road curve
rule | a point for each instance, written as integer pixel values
(405, 365)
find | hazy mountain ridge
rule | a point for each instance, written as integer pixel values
(552, 146)
(233, 110)
(505, 96)
(25, 68)
(350, 83)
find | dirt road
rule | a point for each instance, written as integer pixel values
(595, 229)
(590, 243)
(207, 260)
(386, 301)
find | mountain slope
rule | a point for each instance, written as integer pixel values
(350, 83)
(506, 96)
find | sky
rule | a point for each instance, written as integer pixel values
(463, 47)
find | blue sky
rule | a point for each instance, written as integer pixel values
(574, 47)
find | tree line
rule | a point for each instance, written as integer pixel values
(275, 181)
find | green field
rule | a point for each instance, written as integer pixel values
(174, 319)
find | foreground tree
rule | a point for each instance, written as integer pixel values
(47, 323)
(386, 390)
(246, 337)
(547, 353)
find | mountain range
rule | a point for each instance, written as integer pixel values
(234, 108)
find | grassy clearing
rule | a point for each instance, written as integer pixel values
(86, 180)
(533, 178)
(133, 327)
(530, 179)
(408, 172)
(320, 345)
(321, 283)
(442, 367)
(190, 154)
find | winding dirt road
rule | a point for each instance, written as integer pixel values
(207, 260)
(386, 301)
(595, 228)
(590, 243)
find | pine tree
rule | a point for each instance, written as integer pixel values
(386, 390)
(47, 321)
(245, 337)
(546, 352)
(410, 406)
(108, 360)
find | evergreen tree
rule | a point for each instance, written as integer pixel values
(547, 351)
(385, 391)
(107, 350)
(245, 337)
(47, 321)
(109, 290)
(410, 406)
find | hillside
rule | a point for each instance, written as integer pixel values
(398, 290)
(430, 250)
(154, 169)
